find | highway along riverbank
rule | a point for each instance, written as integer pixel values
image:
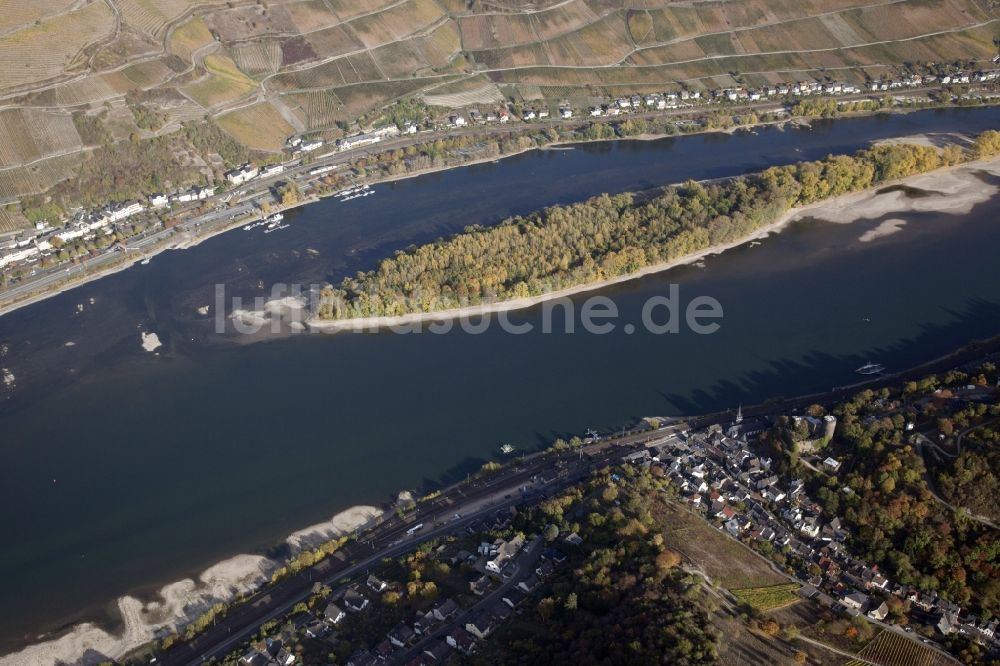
(129, 470)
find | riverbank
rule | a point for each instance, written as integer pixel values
(179, 603)
(225, 411)
(144, 621)
(954, 190)
(183, 240)
(77, 281)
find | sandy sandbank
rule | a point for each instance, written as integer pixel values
(177, 603)
(954, 190)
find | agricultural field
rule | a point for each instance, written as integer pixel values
(148, 74)
(11, 219)
(37, 177)
(485, 94)
(190, 37)
(91, 89)
(891, 649)
(396, 22)
(258, 59)
(339, 72)
(27, 135)
(722, 559)
(311, 15)
(246, 22)
(361, 98)
(51, 47)
(153, 16)
(333, 41)
(770, 597)
(318, 65)
(261, 127)
(16, 14)
(223, 83)
(318, 110)
(349, 9)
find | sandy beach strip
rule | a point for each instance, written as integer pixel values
(954, 190)
(179, 602)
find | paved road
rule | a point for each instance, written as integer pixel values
(45, 283)
(472, 501)
(523, 570)
(537, 473)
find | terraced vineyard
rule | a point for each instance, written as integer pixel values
(260, 126)
(51, 46)
(329, 62)
(892, 649)
(770, 597)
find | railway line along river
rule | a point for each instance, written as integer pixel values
(127, 469)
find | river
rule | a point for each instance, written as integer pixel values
(126, 470)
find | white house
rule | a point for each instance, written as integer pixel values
(458, 120)
(364, 139)
(566, 112)
(334, 613)
(855, 600)
(83, 228)
(242, 175)
(116, 213)
(273, 170)
(159, 200)
(879, 613)
(15, 256)
(506, 552)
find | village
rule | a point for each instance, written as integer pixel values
(714, 471)
(52, 243)
(497, 577)
(736, 489)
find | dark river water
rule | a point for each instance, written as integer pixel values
(125, 470)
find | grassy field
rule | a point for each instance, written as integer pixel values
(770, 597)
(260, 127)
(190, 37)
(223, 83)
(727, 562)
